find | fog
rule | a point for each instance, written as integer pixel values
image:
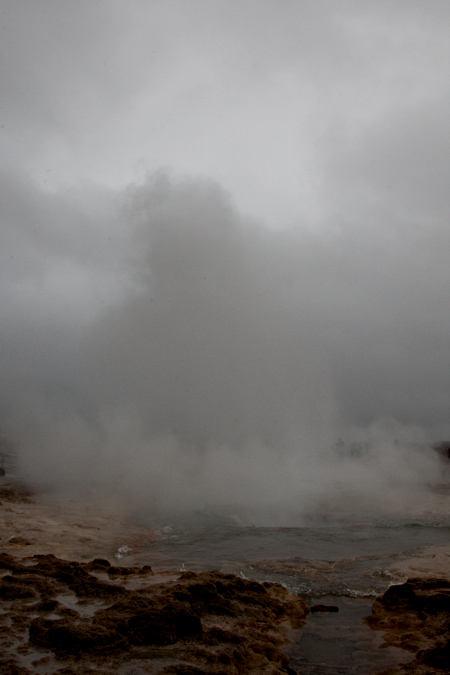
(224, 251)
(213, 370)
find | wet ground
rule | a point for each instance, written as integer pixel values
(81, 527)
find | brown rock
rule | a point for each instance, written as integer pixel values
(12, 589)
(439, 657)
(97, 565)
(18, 541)
(163, 627)
(416, 616)
(68, 636)
(183, 670)
(205, 623)
(10, 667)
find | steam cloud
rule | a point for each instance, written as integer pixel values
(212, 360)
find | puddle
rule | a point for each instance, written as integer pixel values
(70, 601)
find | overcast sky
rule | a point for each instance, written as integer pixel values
(226, 220)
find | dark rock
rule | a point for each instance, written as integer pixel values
(123, 571)
(181, 669)
(323, 608)
(129, 605)
(66, 636)
(217, 636)
(11, 590)
(438, 602)
(162, 627)
(416, 616)
(74, 575)
(98, 565)
(152, 628)
(146, 622)
(145, 570)
(439, 657)
(10, 667)
(402, 596)
(428, 584)
(18, 541)
(48, 606)
(7, 562)
(187, 576)
(187, 624)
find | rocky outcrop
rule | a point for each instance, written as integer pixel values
(415, 616)
(66, 616)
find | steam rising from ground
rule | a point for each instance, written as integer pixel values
(212, 379)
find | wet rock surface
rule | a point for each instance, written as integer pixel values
(415, 616)
(59, 616)
(324, 608)
(64, 608)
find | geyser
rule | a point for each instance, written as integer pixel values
(210, 380)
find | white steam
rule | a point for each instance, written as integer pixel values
(213, 381)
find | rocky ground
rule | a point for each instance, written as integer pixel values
(73, 601)
(415, 616)
(66, 616)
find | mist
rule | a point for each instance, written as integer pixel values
(209, 375)
(224, 252)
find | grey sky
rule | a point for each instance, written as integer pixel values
(226, 220)
(268, 98)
